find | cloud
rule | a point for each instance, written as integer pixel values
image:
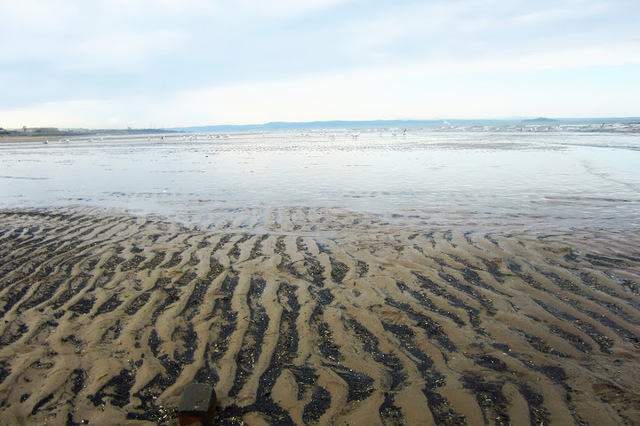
(361, 95)
(120, 51)
(66, 114)
(123, 52)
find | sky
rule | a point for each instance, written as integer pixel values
(170, 63)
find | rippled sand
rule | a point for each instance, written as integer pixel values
(316, 316)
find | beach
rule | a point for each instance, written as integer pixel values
(343, 277)
(322, 317)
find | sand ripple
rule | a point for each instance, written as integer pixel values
(315, 316)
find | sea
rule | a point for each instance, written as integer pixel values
(537, 174)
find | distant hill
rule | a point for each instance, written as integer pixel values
(335, 124)
(448, 124)
(341, 124)
(538, 120)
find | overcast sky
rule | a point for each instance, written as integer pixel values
(164, 63)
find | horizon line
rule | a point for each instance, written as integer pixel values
(518, 119)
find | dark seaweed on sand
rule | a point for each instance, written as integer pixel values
(166, 283)
(371, 345)
(440, 407)
(282, 357)
(314, 409)
(489, 397)
(431, 327)
(253, 338)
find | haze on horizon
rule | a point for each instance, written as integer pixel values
(169, 63)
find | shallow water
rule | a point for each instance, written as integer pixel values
(577, 179)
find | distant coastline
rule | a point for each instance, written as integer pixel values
(36, 133)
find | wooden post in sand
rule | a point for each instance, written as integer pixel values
(197, 405)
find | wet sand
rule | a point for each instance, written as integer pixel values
(316, 316)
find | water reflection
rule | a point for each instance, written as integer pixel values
(584, 178)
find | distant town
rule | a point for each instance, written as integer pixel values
(52, 132)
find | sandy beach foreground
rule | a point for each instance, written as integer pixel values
(316, 317)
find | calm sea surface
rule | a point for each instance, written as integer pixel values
(574, 178)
